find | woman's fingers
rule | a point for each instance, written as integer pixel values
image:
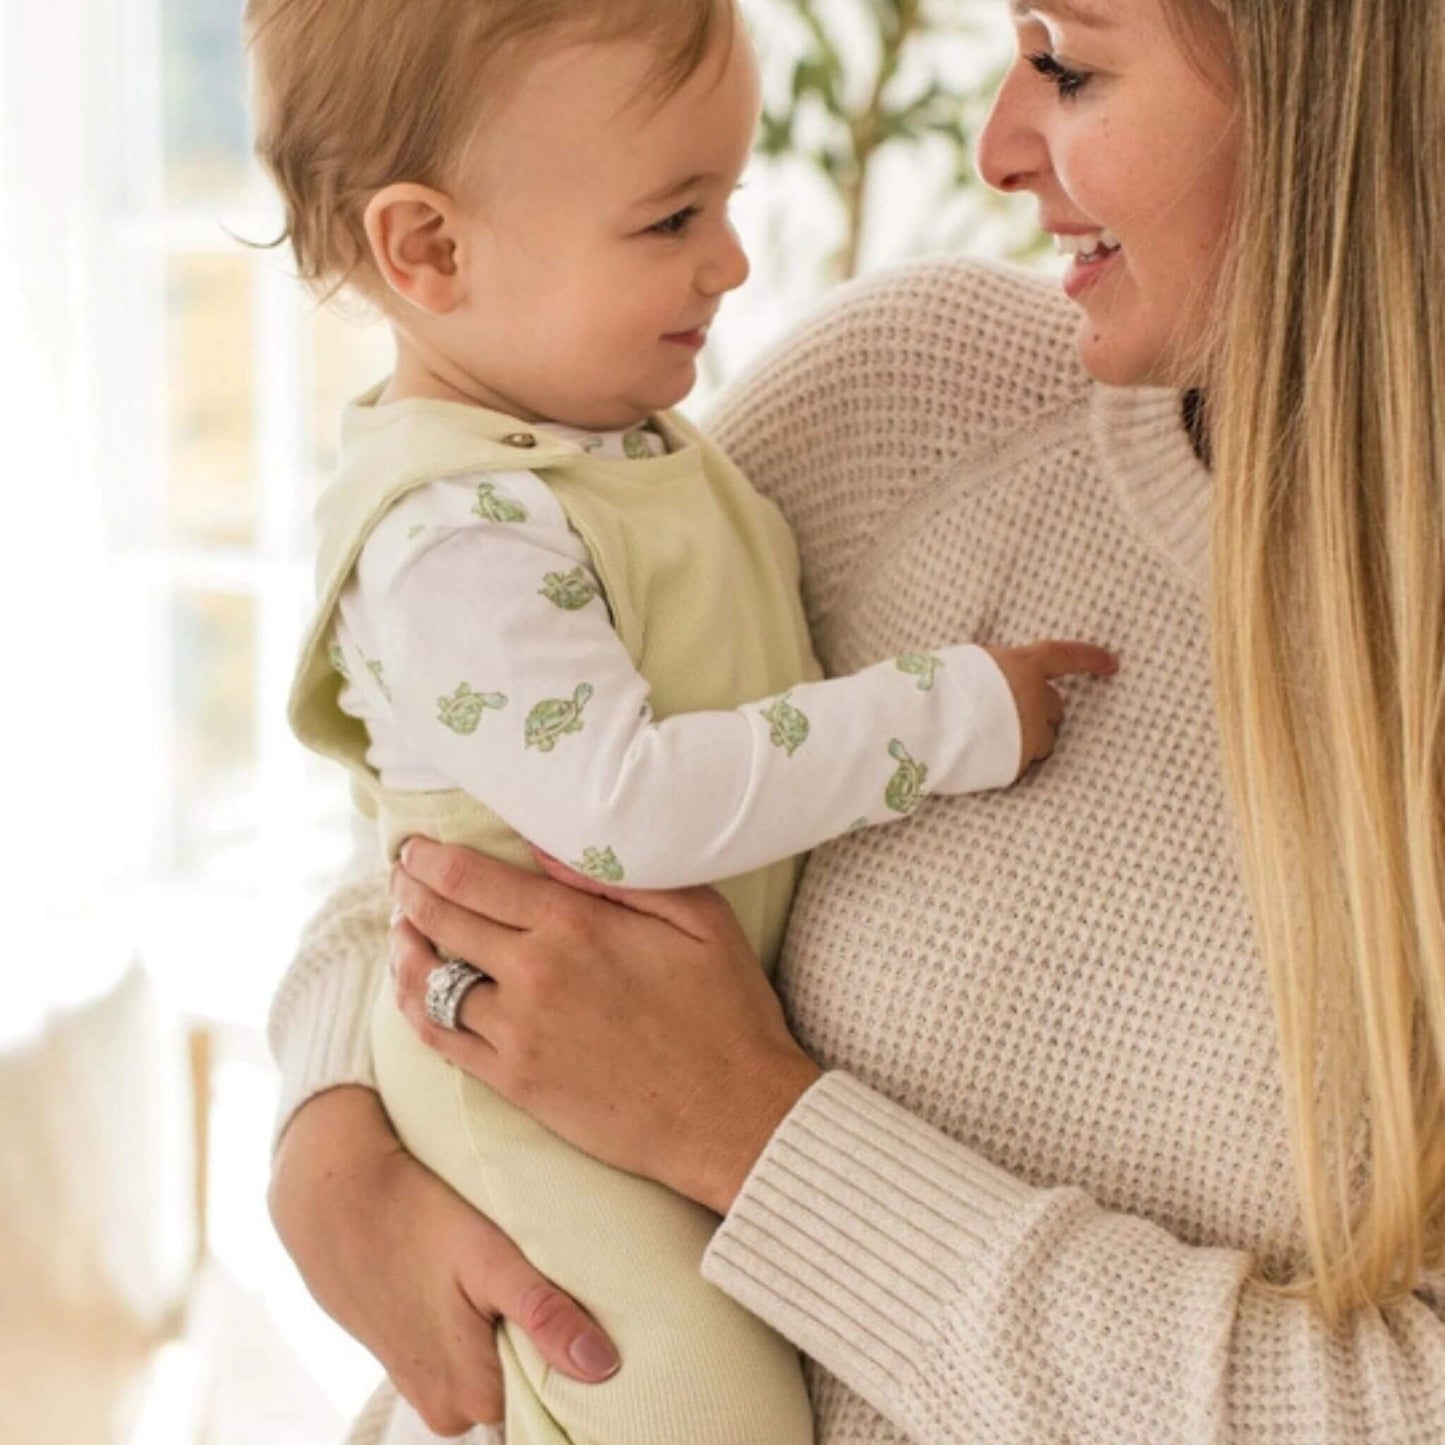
(696, 912)
(481, 885)
(457, 930)
(555, 868)
(463, 1389)
(412, 959)
(501, 1281)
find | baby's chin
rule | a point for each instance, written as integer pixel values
(664, 398)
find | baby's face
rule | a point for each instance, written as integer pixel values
(596, 241)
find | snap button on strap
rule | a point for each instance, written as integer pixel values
(519, 439)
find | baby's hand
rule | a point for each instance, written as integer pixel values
(1041, 710)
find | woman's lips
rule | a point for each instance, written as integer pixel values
(1082, 274)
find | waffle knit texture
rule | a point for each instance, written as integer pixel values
(1041, 1191)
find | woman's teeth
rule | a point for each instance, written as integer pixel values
(1092, 246)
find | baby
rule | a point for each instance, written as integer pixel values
(551, 612)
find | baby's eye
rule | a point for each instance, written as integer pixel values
(1067, 82)
(676, 223)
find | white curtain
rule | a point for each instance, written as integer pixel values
(70, 643)
(96, 1212)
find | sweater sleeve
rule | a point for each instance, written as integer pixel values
(318, 1027)
(967, 1306)
(502, 675)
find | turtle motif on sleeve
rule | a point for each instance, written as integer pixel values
(922, 665)
(374, 667)
(905, 787)
(463, 710)
(601, 864)
(569, 590)
(634, 446)
(789, 725)
(554, 717)
(337, 658)
(492, 506)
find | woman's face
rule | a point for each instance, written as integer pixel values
(1131, 153)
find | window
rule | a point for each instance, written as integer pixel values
(174, 403)
(226, 385)
(175, 397)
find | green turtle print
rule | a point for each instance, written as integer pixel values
(463, 710)
(634, 446)
(905, 787)
(374, 667)
(569, 590)
(555, 717)
(789, 725)
(922, 665)
(493, 506)
(337, 658)
(601, 864)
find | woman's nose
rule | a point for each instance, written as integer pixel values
(1011, 153)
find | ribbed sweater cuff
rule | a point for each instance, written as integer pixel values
(320, 1024)
(855, 1230)
(327, 1042)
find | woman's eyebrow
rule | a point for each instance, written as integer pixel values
(1069, 10)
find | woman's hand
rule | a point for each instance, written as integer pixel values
(637, 1025)
(410, 1269)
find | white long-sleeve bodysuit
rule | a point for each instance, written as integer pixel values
(480, 653)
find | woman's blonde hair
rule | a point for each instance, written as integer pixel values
(1327, 424)
(349, 96)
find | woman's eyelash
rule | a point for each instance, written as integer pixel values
(676, 223)
(1067, 82)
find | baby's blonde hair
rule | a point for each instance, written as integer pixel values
(352, 95)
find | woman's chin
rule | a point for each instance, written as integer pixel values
(1108, 357)
(1118, 355)
(1116, 368)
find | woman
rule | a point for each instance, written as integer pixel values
(1114, 1111)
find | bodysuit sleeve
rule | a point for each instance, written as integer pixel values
(494, 665)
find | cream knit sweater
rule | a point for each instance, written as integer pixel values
(1036, 1197)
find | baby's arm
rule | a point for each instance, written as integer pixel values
(507, 679)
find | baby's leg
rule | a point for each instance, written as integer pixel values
(697, 1369)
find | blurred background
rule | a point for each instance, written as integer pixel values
(172, 400)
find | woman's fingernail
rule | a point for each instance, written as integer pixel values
(592, 1354)
(397, 914)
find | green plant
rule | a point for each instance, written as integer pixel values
(846, 80)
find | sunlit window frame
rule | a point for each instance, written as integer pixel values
(136, 234)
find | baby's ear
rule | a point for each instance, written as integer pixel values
(413, 235)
